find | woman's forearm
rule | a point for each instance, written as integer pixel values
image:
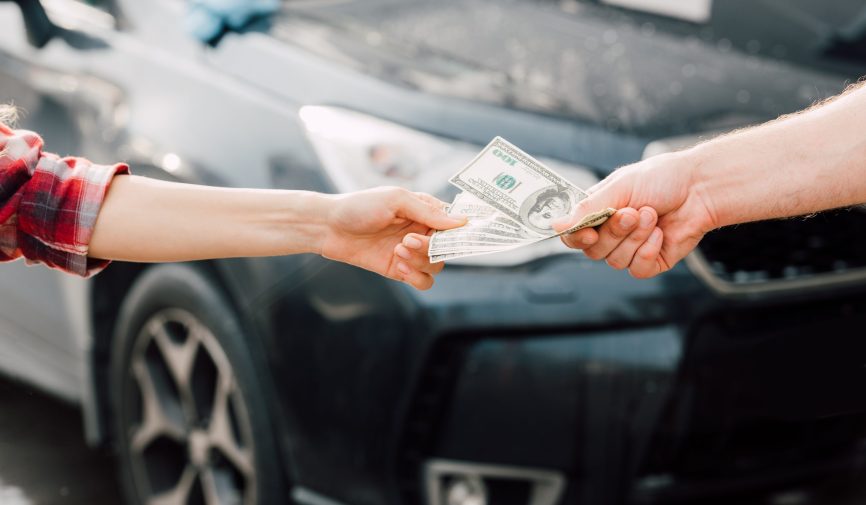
(799, 164)
(147, 220)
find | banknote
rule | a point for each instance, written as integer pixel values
(487, 226)
(518, 186)
(591, 220)
(467, 205)
(451, 255)
(510, 200)
(493, 223)
(473, 248)
(473, 239)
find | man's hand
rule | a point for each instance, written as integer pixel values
(662, 216)
(798, 164)
(367, 229)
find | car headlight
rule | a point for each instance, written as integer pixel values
(359, 151)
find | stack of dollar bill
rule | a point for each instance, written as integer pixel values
(510, 200)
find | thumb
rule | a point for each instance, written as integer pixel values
(600, 203)
(432, 215)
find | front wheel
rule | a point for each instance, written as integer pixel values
(191, 422)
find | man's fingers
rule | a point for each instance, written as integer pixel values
(428, 211)
(622, 255)
(580, 239)
(602, 197)
(613, 232)
(647, 260)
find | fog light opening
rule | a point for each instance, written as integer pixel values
(451, 482)
(465, 490)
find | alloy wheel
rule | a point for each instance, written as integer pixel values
(189, 435)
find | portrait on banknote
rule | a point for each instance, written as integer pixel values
(547, 205)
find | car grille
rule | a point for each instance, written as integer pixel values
(829, 245)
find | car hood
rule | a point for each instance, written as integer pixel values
(566, 59)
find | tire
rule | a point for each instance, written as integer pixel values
(190, 417)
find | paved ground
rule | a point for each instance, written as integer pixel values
(43, 458)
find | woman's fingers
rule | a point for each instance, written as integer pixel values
(426, 210)
(432, 200)
(415, 261)
(613, 232)
(647, 261)
(621, 256)
(413, 265)
(416, 279)
(414, 250)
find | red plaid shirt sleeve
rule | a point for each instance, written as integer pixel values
(48, 204)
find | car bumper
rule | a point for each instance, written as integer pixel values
(561, 366)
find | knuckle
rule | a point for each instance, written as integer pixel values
(616, 230)
(639, 236)
(401, 193)
(647, 253)
(615, 233)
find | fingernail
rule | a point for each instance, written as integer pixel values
(646, 218)
(411, 243)
(656, 237)
(587, 241)
(403, 269)
(403, 253)
(628, 221)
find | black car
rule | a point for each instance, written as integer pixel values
(535, 377)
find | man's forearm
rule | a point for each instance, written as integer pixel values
(147, 220)
(804, 163)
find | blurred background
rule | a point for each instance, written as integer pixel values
(534, 377)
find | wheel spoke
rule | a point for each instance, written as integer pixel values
(220, 432)
(209, 486)
(155, 423)
(178, 357)
(179, 495)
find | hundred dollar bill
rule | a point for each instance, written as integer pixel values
(467, 205)
(487, 226)
(473, 238)
(477, 243)
(519, 186)
(591, 220)
(439, 243)
(474, 241)
(451, 255)
(480, 214)
(467, 247)
(443, 251)
(510, 200)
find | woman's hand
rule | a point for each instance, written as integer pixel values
(149, 220)
(369, 228)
